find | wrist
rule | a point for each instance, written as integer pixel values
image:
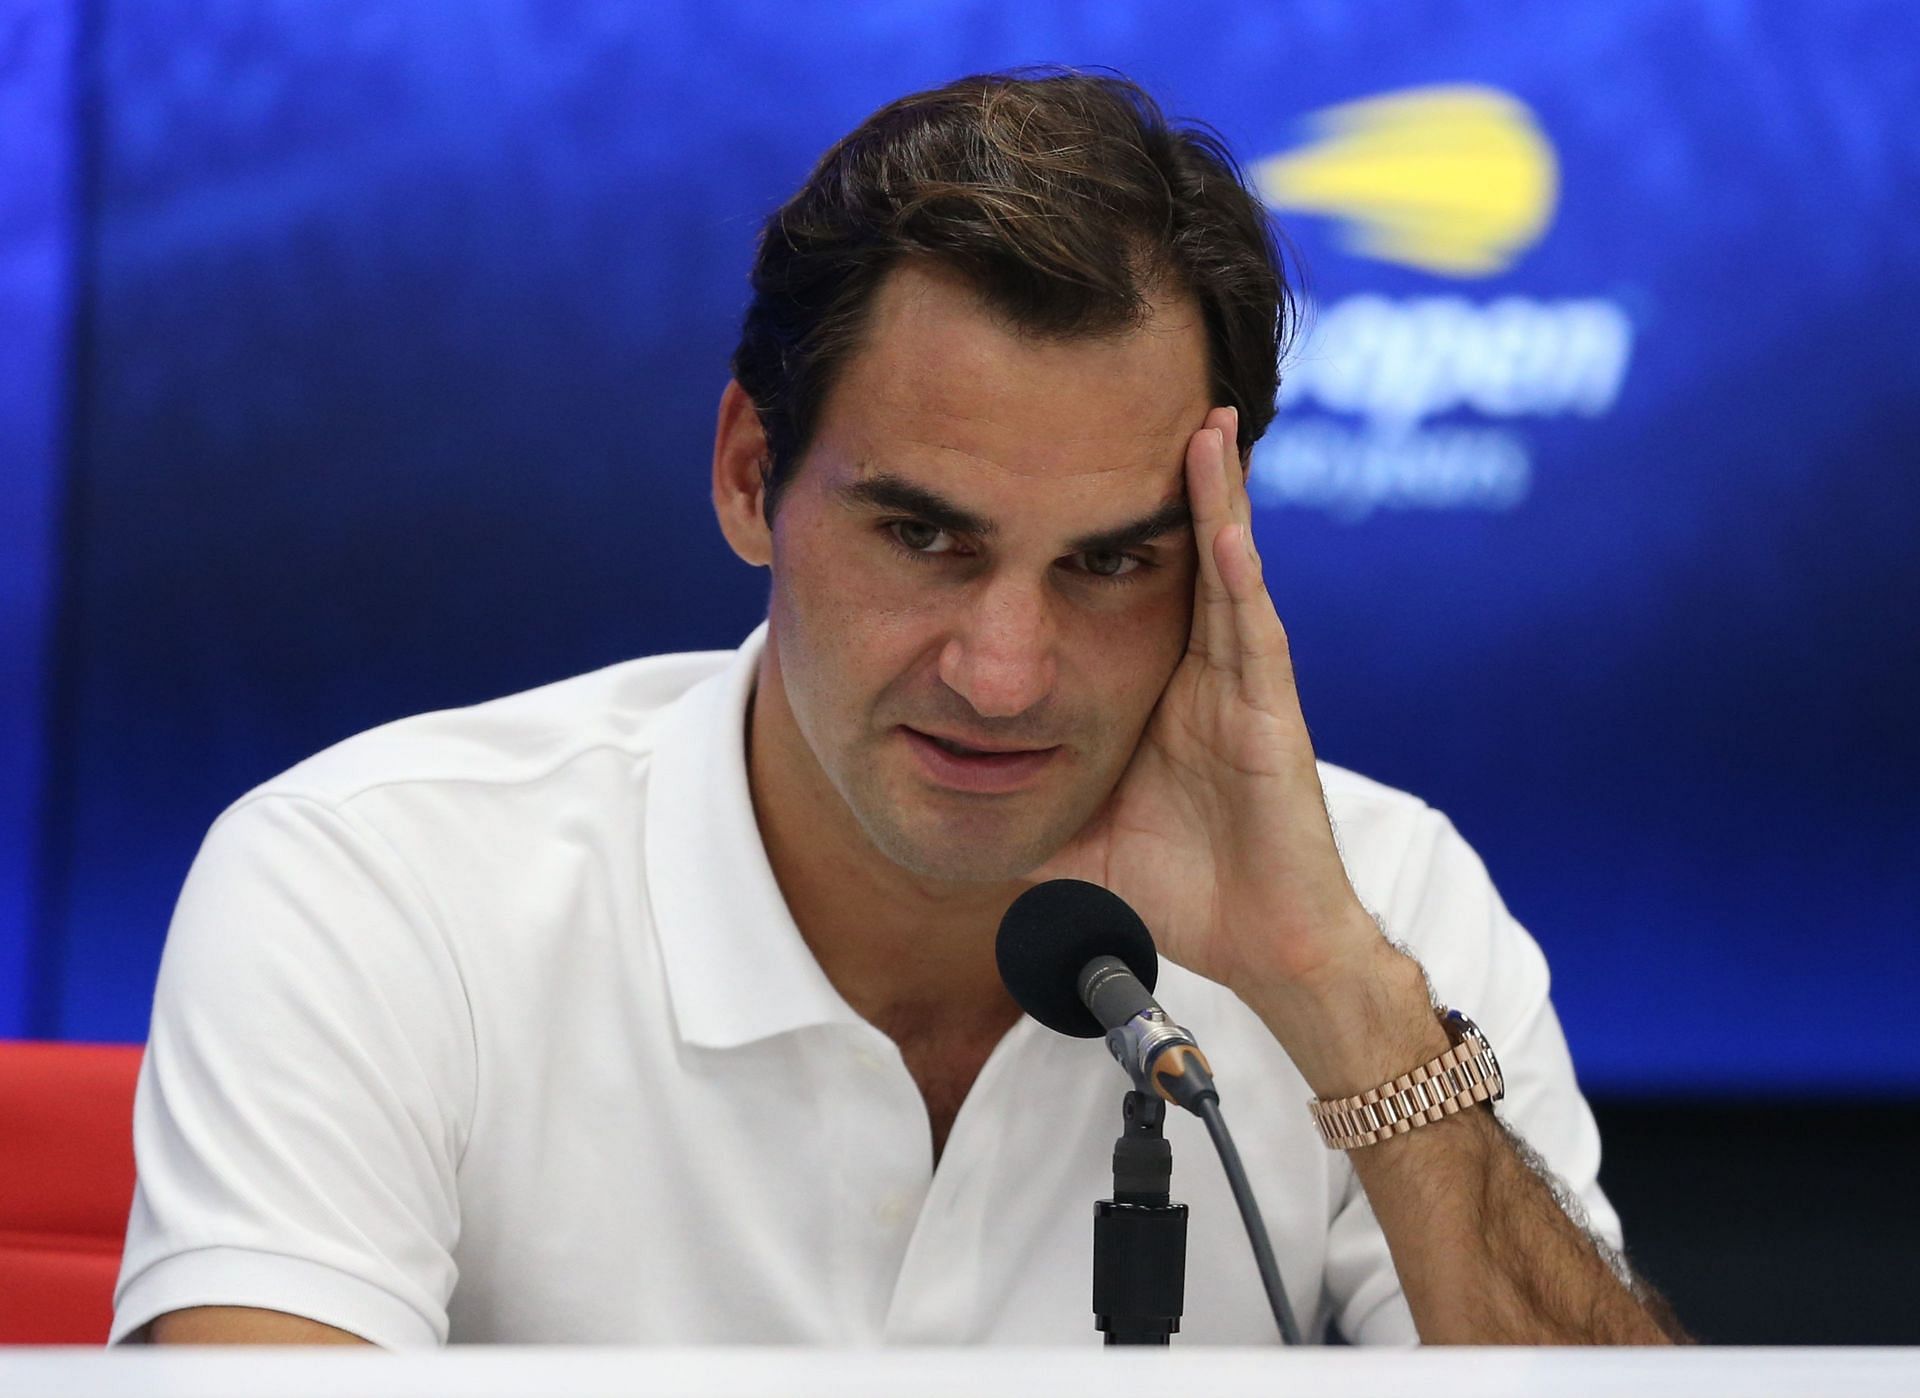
(1351, 1031)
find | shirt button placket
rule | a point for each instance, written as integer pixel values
(886, 1170)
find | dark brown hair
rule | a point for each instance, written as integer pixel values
(1067, 199)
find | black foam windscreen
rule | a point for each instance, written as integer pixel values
(1051, 932)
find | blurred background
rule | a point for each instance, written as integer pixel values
(361, 359)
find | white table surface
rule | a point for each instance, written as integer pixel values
(554, 1372)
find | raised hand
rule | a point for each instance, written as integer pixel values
(1218, 832)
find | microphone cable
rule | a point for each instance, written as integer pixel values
(1078, 959)
(1208, 1110)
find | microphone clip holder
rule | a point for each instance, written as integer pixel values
(1137, 1043)
(1140, 1235)
(1161, 1058)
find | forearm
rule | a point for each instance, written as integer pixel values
(1485, 1251)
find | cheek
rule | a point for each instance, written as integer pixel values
(1130, 656)
(1116, 667)
(850, 623)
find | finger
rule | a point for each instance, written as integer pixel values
(1211, 504)
(1260, 641)
(1242, 502)
(1237, 511)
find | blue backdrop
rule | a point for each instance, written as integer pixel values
(386, 339)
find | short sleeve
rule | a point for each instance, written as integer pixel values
(1443, 907)
(307, 1087)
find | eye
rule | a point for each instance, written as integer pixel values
(917, 536)
(1109, 564)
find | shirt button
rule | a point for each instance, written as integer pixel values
(868, 1059)
(891, 1211)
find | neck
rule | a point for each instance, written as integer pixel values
(899, 948)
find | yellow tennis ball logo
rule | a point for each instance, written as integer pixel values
(1456, 180)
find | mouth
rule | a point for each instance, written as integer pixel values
(965, 749)
(965, 766)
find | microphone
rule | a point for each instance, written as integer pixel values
(1078, 959)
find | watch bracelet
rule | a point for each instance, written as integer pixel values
(1466, 1074)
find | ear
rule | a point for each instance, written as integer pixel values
(739, 482)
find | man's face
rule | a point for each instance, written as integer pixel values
(985, 548)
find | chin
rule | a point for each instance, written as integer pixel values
(958, 856)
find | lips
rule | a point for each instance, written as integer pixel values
(963, 766)
(961, 748)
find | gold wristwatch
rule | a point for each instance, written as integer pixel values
(1465, 1074)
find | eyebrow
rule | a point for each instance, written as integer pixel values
(889, 492)
(1169, 518)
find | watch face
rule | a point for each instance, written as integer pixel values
(1467, 1031)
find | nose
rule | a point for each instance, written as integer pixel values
(1000, 657)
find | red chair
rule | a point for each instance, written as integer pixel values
(66, 1185)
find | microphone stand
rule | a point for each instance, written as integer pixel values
(1140, 1235)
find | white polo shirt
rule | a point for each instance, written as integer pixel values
(492, 1025)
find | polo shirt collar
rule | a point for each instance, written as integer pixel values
(737, 967)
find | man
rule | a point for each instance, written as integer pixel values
(660, 1004)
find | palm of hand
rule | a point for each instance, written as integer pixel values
(1217, 833)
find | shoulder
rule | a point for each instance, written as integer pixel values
(1412, 868)
(1355, 797)
(505, 742)
(1378, 827)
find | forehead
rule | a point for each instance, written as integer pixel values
(942, 388)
